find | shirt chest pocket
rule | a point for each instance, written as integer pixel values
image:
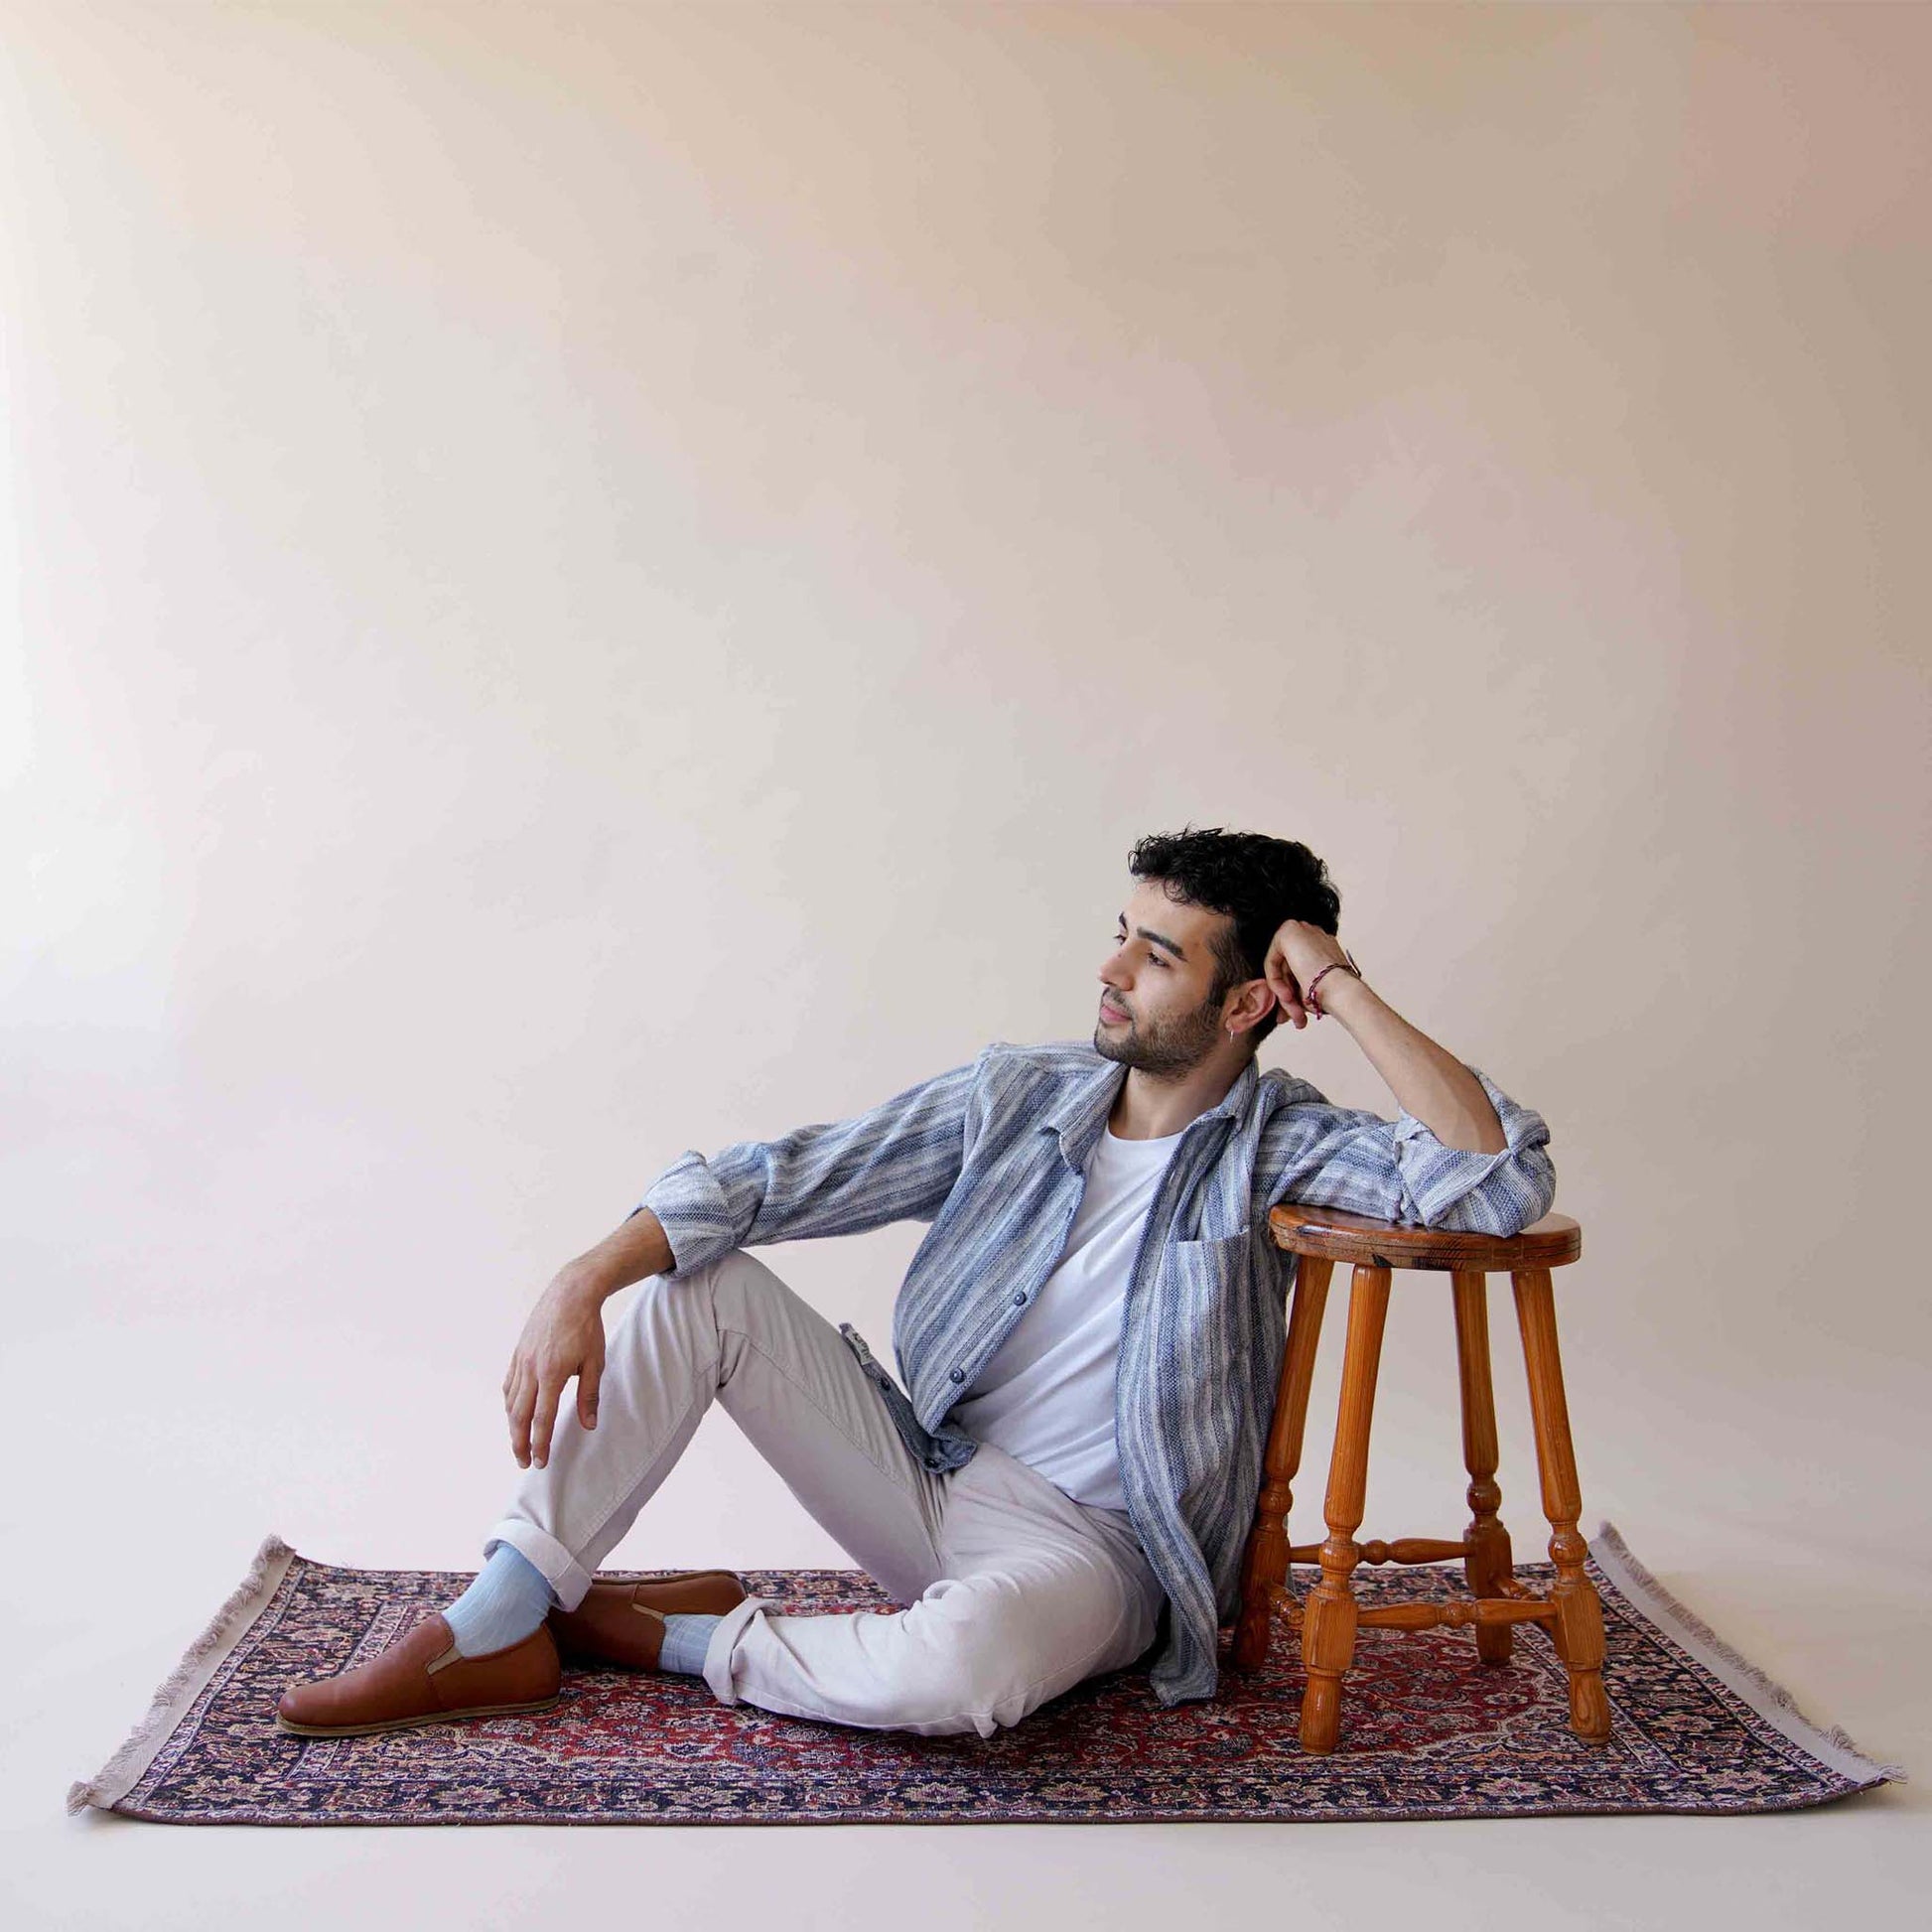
(1214, 1266)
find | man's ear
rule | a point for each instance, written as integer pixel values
(1253, 1004)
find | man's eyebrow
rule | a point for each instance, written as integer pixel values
(1159, 938)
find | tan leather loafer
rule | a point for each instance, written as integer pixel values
(423, 1679)
(624, 1623)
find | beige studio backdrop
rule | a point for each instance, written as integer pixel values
(601, 580)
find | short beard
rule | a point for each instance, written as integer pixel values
(1164, 1051)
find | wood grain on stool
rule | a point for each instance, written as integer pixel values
(1265, 1563)
(1486, 1569)
(1331, 1617)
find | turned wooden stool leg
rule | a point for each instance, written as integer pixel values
(1487, 1562)
(1329, 1616)
(1580, 1616)
(1266, 1564)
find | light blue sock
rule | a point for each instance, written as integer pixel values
(687, 1636)
(508, 1600)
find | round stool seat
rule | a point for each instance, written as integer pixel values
(1335, 1236)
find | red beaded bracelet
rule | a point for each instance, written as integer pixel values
(1347, 962)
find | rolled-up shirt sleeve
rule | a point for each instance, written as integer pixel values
(1398, 1170)
(895, 1161)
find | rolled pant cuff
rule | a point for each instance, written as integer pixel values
(718, 1653)
(565, 1574)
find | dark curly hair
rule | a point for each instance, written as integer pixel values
(1256, 881)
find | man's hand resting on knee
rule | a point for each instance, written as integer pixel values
(564, 1335)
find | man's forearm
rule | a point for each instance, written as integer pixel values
(627, 1254)
(1426, 1080)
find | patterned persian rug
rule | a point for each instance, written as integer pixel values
(1426, 1733)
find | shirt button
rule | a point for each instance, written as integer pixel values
(1020, 1298)
(960, 1375)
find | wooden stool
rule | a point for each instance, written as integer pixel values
(1328, 1620)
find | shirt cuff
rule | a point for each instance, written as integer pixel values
(694, 1214)
(1456, 1187)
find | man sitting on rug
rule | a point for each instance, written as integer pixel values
(1091, 1334)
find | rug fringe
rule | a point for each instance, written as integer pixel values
(116, 1778)
(1768, 1690)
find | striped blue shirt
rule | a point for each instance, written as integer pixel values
(991, 1155)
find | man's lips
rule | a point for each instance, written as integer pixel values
(1110, 1012)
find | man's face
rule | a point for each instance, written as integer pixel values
(1154, 1009)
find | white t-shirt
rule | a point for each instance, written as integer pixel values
(1047, 1394)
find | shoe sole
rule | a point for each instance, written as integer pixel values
(410, 1724)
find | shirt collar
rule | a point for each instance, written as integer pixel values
(1080, 1113)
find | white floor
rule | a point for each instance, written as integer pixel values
(107, 1601)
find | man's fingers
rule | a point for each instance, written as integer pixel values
(523, 1403)
(588, 1377)
(547, 1397)
(1290, 1002)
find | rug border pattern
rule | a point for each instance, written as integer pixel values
(1769, 1699)
(177, 1695)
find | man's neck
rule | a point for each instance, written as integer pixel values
(1151, 1106)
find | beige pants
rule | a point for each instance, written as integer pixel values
(1014, 1592)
